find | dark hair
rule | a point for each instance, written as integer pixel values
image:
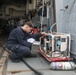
(29, 23)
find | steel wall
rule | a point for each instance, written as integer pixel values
(68, 23)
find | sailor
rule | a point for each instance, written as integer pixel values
(18, 44)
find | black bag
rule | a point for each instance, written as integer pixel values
(44, 12)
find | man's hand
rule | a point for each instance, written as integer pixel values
(44, 34)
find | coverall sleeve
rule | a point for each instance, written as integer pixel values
(35, 35)
(21, 39)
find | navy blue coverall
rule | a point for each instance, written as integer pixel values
(17, 42)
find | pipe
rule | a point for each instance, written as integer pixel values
(15, 8)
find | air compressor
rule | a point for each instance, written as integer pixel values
(56, 49)
(56, 46)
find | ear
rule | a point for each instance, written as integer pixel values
(26, 26)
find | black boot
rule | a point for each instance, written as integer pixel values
(30, 56)
(13, 59)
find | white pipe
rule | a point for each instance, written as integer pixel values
(71, 4)
(42, 15)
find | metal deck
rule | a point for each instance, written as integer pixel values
(39, 63)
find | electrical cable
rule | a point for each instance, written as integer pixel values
(62, 17)
(35, 71)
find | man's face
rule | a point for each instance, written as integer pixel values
(28, 29)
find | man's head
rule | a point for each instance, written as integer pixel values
(28, 26)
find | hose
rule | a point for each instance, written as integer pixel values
(56, 56)
(35, 71)
(63, 16)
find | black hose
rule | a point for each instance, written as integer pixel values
(4, 48)
(35, 71)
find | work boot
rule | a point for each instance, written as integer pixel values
(30, 56)
(13, 59)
